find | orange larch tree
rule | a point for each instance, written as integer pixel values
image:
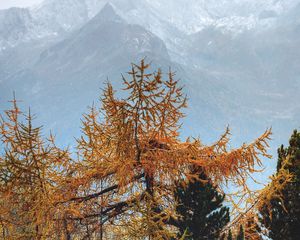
(30, 172)
(130, 158)
(132, 146)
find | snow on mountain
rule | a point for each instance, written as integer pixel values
(14, 24)
(165, 18)
(49, 19)
(89, 47)
(194, 15)
(61, 15)
(71, 14)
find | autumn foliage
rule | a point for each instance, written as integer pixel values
(120, 182)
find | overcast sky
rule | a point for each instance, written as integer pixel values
(17, 3)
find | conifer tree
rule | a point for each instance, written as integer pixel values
(200, 209)
(129, 161)
(29, 177)
(282, 217)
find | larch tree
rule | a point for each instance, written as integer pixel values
(129, 161)
(132, 145)
(30, 172)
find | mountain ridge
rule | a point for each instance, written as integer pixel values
(53, 17)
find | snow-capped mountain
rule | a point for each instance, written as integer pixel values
(193, 15)
(188, 16)
(90, 50)
(49, 19)
(167, 19)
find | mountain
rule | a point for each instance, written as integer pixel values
(170, 20)
(55, 78)
(227, 14)
(14, 22)
(238, 60)
(50, 19)
(106, 40)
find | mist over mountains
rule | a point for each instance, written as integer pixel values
(239, 60)
(54, 17)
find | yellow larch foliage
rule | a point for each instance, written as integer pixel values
(248, 215)
(132, 145)
(30, 175)
(129, 159)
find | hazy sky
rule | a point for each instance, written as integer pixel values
(17, 3)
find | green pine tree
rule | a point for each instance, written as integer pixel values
(200, 206)
(285, 223)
